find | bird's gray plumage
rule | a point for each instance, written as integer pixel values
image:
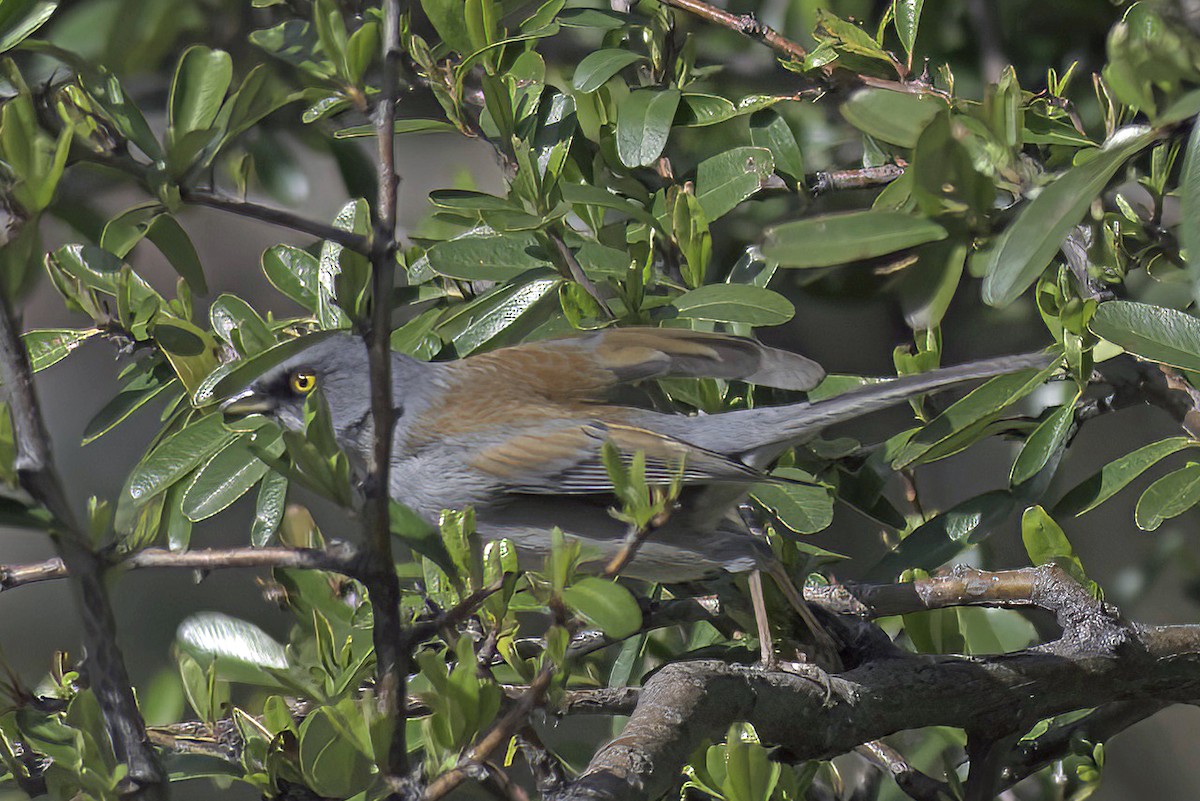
(566, 486)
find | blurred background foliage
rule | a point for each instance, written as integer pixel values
(681, 167)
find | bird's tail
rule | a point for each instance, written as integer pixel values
(773, 429)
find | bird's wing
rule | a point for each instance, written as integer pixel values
(568, 460)
(586, 368)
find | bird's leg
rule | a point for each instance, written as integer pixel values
(766, 644)
(826, 648)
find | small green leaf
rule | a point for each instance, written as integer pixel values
(770, 130)
(1154, 333)
(598, 66)
(848, 236)
(805, 508)
(643, 125)
(1042, 444)
(293, 272)
(1046, 543)
(201, 80)
(229, 314)
(895, 117)
(487, 256)
(410, 126)
(725, 180)
(175, 457)
(944, 537)
(20, 18)
(269, 508)
(606, 605)
(1170, 496)
(735, 303)
(173, 242)
(49, 346)
(1028, 246)
(907, 15)
(1113, 477)
(230, 474)
(241, 650)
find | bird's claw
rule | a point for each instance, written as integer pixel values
(814, 673)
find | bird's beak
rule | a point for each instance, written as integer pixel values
(249, 402)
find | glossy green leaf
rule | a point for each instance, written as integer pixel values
(598, 66)
(1047, 543)
(927, 287)
(487, 256)
(1113, 477)
(586, 194)
(894, 117)
(1170, 496)
(193, 353)
(269, 508)
(342, 274)
(994, 395)
(805, 508)
(201, 80)
(235, 322)
(770, 130)
(410, 126)
(1049, 437)
(240, 650)
(750, 773)
(329, 762)
(847, 236)
(49, 346)
(507, 312)
(449, 20)
(606, 605)
(907, 15)
(643, 125)
(20, 18)
(173, 242)
(1155, 333)
(726, 179)
(735, 303)
(175, 457)
(1028, 246)
(142, 389)
(950, 533)
(293, 272)
(230, 473)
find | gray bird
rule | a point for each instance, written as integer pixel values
(517, 434)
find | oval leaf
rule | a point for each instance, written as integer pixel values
(851, 236)
(1170, 496)
(643, 125)
(606, 605)
(600, 65)
(1113, 477)
(1048, 437)
(895, 117)
(1154, 333)
(735, 303)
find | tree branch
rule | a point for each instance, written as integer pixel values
(1097, 661)
(393, 646)
(745, 24)
(254, 211)
(106, 665)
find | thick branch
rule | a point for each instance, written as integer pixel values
(106, 665)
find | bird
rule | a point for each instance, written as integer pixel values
(517, 433)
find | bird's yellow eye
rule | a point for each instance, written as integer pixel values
(303, 382)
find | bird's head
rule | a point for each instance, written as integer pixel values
(336, 365)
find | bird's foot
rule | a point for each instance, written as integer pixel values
(814, 673)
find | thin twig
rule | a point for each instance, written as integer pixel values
(458, 613)
(575, 270)
(745, 24)
(106, 665)
(392, 644)
(498, 736)
(340, 557)
(915, 784)
(255, 211)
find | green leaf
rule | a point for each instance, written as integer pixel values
(49, 346)
(1154, 333)
(725, 180)
(240, 650)
(192, 352)
(20, 18)
(1170, 496)
(143, 388)
(944, 537)
(606, 605)
(1050, 436)
(804, 508)
(342, 274)
(598, 66)
(848, 236)
(487, 256)
(329, 761)
(927, 287)
(293, 272)
(230, 474)
(770, 130)
(234, 321)
(201, 81)
(449, 20)
(410, 126)
(175, 457)
(1028, 246)
(173, 242)
(1113, 477)
(269, 508)
(1047, 543)
(735, 303)
(907, 14)
(473, 325)
(994, 395)
(750, 774)
(895, 117)
(643, 125)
